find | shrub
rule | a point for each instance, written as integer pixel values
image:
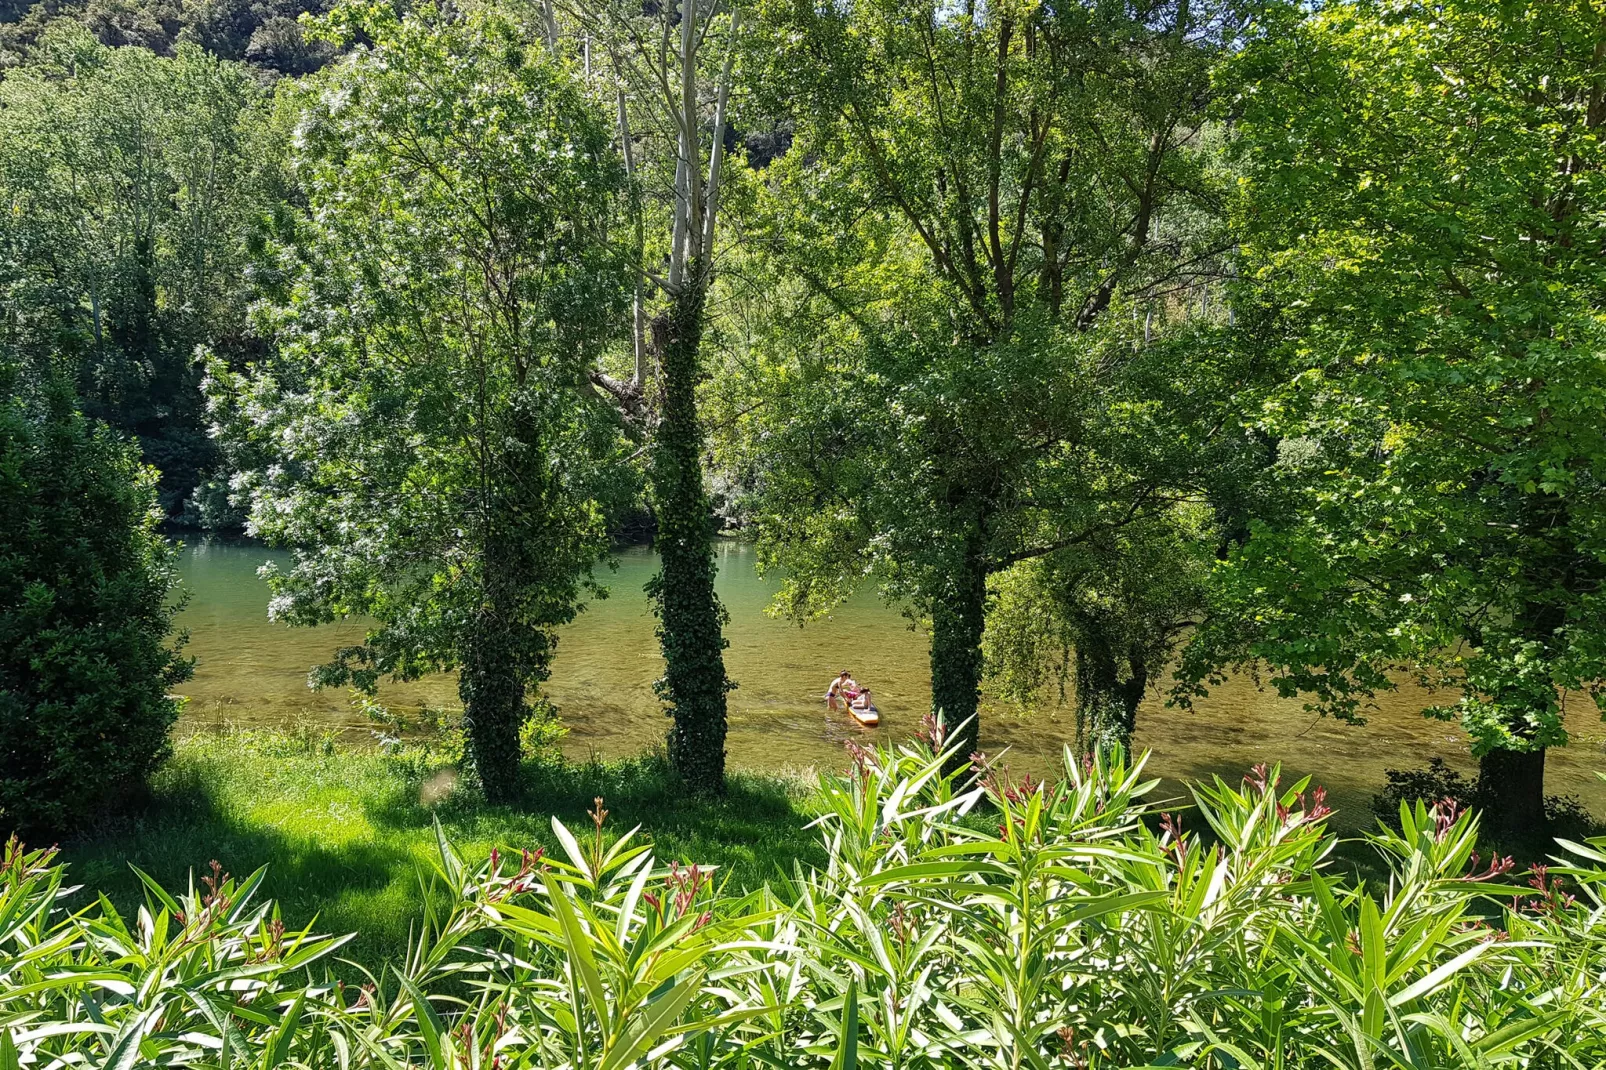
(958, 922)
(85, 662)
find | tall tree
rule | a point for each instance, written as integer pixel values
(996, 206)
(672, 122)
(1423, 200)
(424, 440)
(132, 190)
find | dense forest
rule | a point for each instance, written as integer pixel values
(1123, 346)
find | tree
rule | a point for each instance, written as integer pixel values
(656, 55)
(1422, 207)
(85, 658)
(132, 192)
(423, 439)
(994, 210)
(1108, 613)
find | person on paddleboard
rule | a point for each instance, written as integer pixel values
(863, 709)
(842, 687)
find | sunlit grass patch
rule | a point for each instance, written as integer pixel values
(346, 831)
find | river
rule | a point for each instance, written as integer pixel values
(250, 670)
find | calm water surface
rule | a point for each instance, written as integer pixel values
(249, 669)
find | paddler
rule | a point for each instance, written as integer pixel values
(842, 687)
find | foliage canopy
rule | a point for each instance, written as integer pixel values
(422, 438)
(1422, 205)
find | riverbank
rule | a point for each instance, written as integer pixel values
(346, 832)
(250, 670)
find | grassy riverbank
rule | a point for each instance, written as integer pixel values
(347, 832)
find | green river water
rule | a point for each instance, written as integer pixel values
(250, 670)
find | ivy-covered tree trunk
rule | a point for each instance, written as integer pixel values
(1106, 705)
(690, 618)
(492, 689)
(958, 616)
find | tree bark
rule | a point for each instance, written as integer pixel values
(1511, 783)
(1511, 787)
(690, 618)
(493, 696)
(958, 616)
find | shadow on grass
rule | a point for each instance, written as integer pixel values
(756, 831)
(348, 834)
(345, 884)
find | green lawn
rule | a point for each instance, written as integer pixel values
(345, 832)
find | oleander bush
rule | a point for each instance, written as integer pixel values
(960, 920)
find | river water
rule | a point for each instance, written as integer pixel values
(253, 671)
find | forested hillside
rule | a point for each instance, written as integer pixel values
(264, 34)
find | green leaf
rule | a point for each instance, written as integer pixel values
(847, 1052)
(279, 1042)
(578, 946)
(650, 1023)
(430, 1026)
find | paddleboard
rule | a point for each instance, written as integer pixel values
(869, 718)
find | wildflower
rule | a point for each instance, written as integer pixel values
(900, 922)
(1498, 867)
(272, 947)
(1071, 1050)
(215, 884)
(863, 759)
(1318, 804)
(1259, 777)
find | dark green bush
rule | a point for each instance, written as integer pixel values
(85, 662)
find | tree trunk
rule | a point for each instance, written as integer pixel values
(1511, 788)
(493, 700)
(1133, 688)
(1106, 705)
(690, 618)
(957, 619)
(1511, 784)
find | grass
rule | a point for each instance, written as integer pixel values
(346, 832)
